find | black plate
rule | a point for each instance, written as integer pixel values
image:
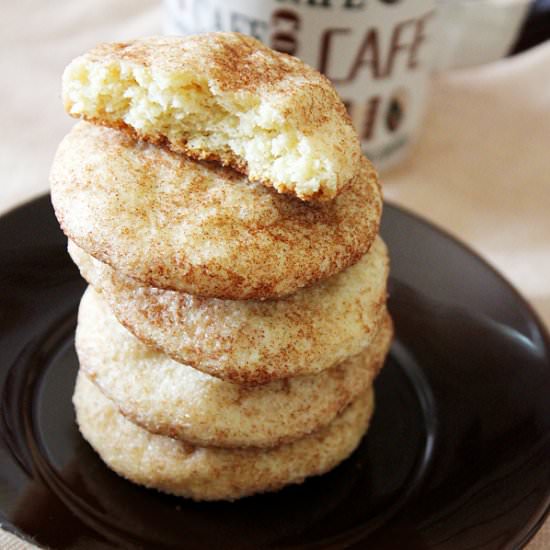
(458, 455)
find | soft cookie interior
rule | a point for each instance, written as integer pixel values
(191, 114)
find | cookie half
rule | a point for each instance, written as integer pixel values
(209, 473)
(175, 223)
(179, 401)
(224, 97)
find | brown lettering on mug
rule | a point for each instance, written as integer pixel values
(285, 24)
(346, 4)
(368, 55)
(396, 109)
(410, 48)
(319, 3)
(371, 114)
(354, 4)
(324, 51)
(419, 37)
(348, 104)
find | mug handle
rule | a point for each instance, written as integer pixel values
(536, 27)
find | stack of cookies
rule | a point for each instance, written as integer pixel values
(216, 200)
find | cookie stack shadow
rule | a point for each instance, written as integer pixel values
(230, 335)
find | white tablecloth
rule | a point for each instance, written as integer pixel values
(480, 169)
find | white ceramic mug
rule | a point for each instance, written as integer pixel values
(378, 53)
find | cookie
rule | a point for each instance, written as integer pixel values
(224, 97)
(210, 473)
(176, 400)
(251, 342)
(175, 223)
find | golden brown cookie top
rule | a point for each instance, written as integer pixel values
(174, 223)
(233, 61)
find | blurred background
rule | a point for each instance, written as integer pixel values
(478, 166)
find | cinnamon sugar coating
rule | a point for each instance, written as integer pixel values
(174, 223)
(211, 473)
(178, 401)
(250, 341)
(224, 97)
